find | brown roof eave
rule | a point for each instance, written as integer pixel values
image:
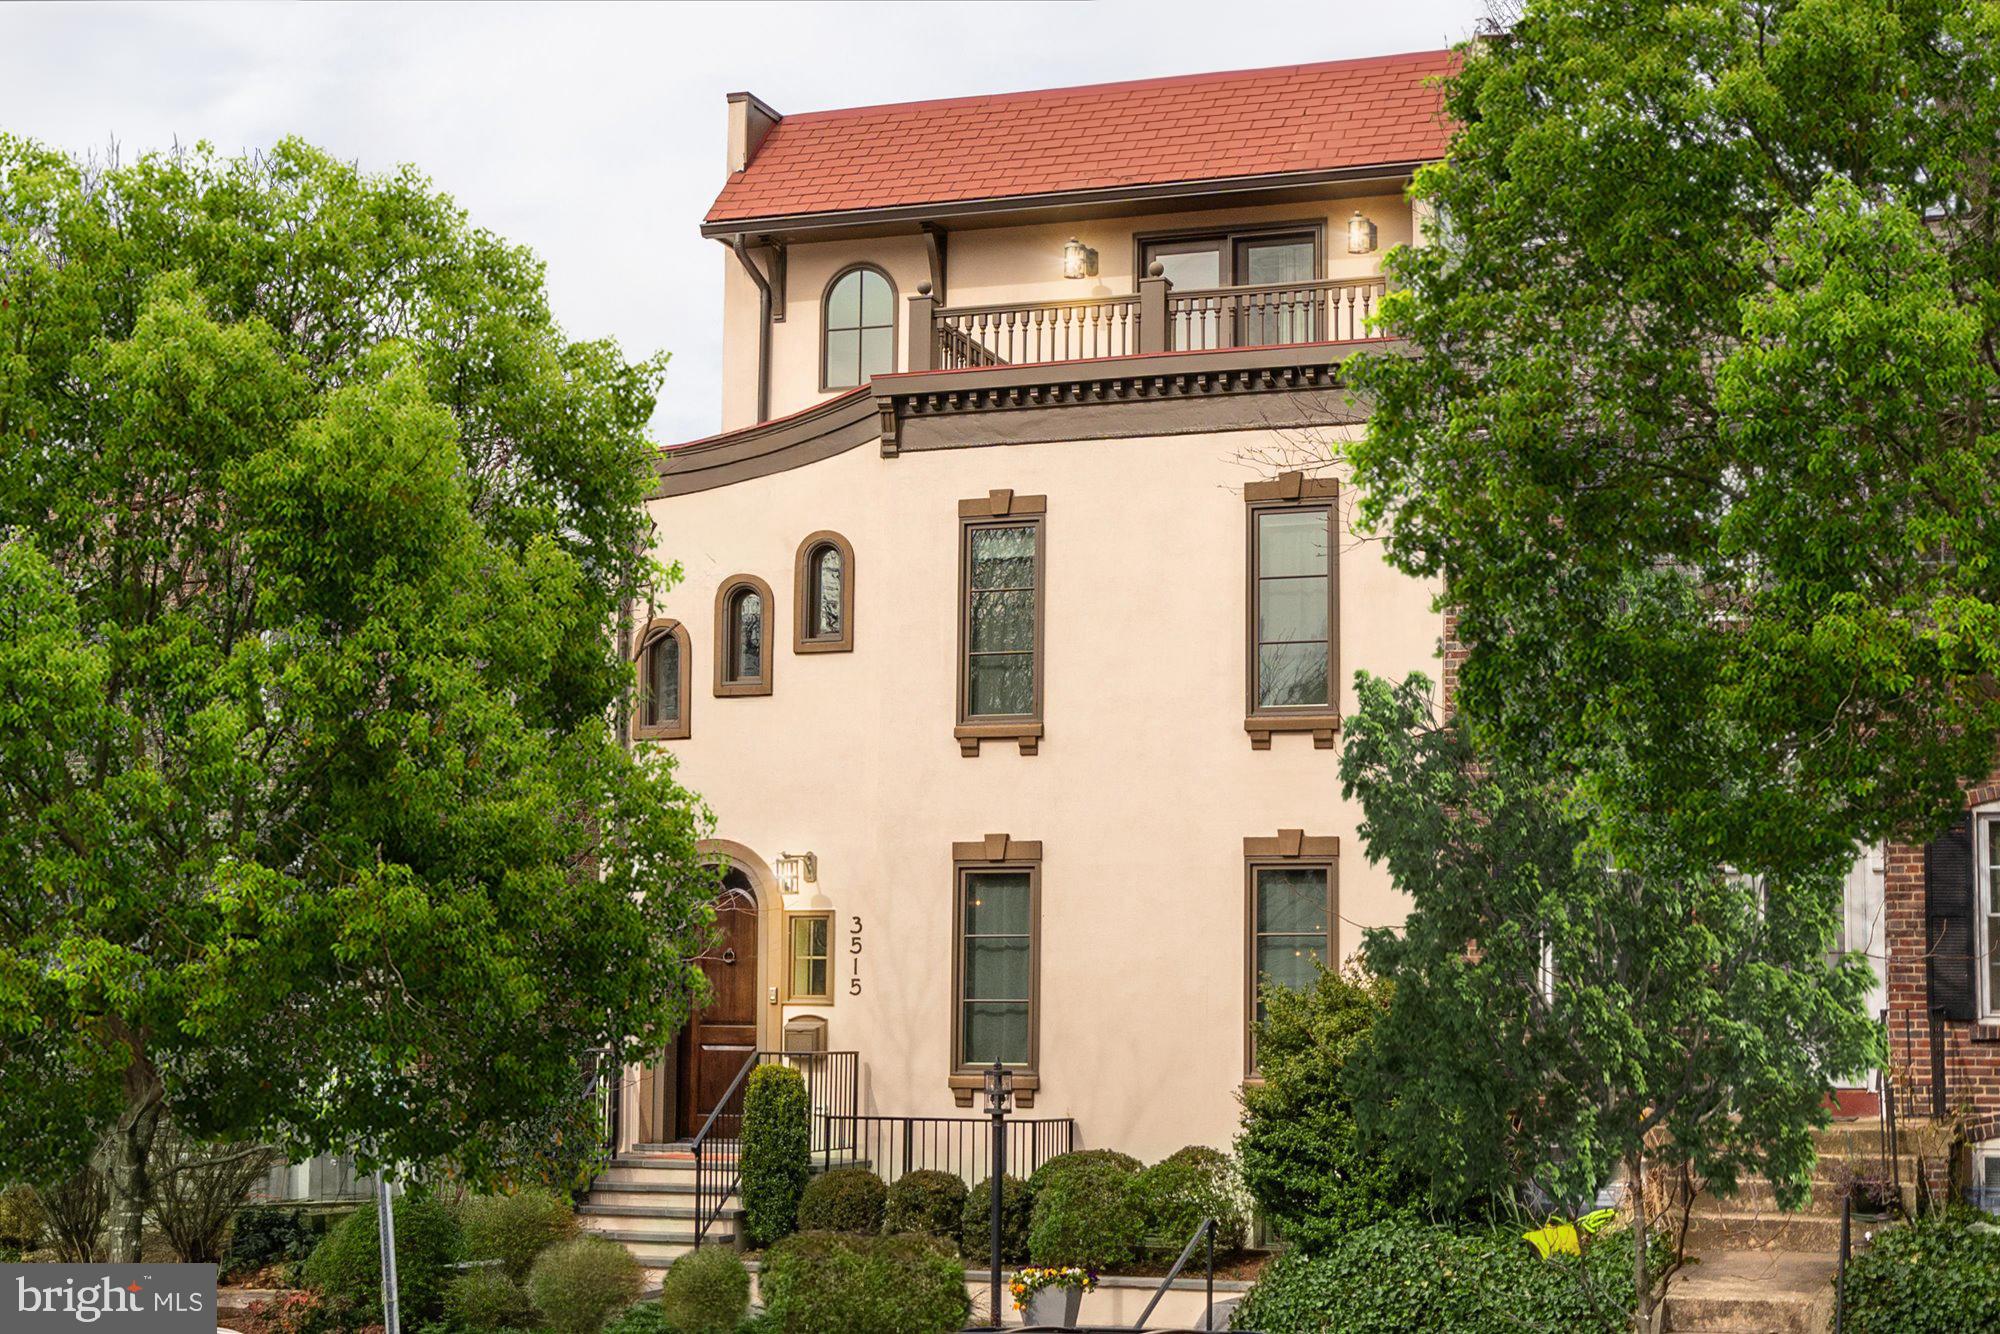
(1066, 204)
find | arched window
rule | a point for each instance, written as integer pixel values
(742, 639)
(664, 664)
(823, 595)
(859, 328)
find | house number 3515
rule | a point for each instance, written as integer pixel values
(854, 952)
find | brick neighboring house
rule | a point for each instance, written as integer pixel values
(1942, 916)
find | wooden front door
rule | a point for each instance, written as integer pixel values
(723, 1035)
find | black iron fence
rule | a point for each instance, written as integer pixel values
(960, 1145)
(833, 1090)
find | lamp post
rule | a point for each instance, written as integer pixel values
(999, 1093)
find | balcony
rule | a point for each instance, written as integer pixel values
(1155, 319)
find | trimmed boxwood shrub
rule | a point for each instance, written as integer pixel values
(1187, 1186)
(706, 1291)
(776, 1157)
(514, 1229)
(266, 1234)
(1089, 1216)
(929, 1203)
(1064, 1162)
(346, 1266)
(975, 1228)
(645, 1318)
(579, 1284)
(846, 1199)
(486, 1299)
(1936, 1274)
(1403, 1275)
(821, 1282)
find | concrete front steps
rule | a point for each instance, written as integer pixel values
(1754, 1268)
(645, 1200)
(1753, 1292)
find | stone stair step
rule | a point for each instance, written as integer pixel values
(1759, 1292)
(1709, 1233)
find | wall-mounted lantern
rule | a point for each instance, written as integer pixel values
(796, 870)
(1079, 260)
(1360, 234)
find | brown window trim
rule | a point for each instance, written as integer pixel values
(807, 998)
(658, 628)
(826, 303)
(996, 852)
(1291, 490)
(990, 510)
(802, 595)
(1291, 849)
(724, 687)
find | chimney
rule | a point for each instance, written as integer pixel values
(749, 121)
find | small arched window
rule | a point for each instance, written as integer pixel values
(664, 662)
(859, 332)
(742, 639)
(823, 591)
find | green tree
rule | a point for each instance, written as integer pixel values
(1304, 1158)
(1712, 305)
(1554, 1017)
(314, 532)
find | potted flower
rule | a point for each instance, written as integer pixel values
(1050, 1296)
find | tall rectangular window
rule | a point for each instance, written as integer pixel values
(1292, 599)
(997, 912)
(1290, 913)
(1000, 620)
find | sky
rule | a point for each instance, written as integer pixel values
(594, 133)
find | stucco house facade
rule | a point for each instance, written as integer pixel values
(1021, 602)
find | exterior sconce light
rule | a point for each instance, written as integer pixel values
(1360, 234)
(796, 870)
(1079, 260)
(999, 1089)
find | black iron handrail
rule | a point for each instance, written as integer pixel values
(1206, 1231)
(833, 1081)
(959, 1145)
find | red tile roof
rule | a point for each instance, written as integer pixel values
(1294, 118)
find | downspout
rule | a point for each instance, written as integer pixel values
(763, 326)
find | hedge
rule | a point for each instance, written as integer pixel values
(821, 1282)
(1410, 1276)
(925, 1202)
(346, 1266)
(846, 1199)
(975, 1234)
(1185, 1187)
(514, 1229)
(776, 1158)
(706, 1291)
(1065, 1162)
(1935, 1274)
(579, 1284)
(1089, 1215)
(486, 1299)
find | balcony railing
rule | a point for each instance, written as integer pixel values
(1156, 319)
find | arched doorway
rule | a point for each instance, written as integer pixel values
(722, 1035)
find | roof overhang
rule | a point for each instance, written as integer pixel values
(1071, 205)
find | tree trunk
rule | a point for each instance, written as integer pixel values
(1642, 1286)
(128, 1159)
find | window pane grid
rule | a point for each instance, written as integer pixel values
(1000, 621)
(1293, 584)
(810, 960)
(746, 635)
(996, 967)
(860, 329)
(1989, 855)
(1291, 928)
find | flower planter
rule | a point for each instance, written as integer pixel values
(1053, 1306)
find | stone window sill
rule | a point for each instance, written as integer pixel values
(1323, 726)
(1028, 735)
(967, 1085)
